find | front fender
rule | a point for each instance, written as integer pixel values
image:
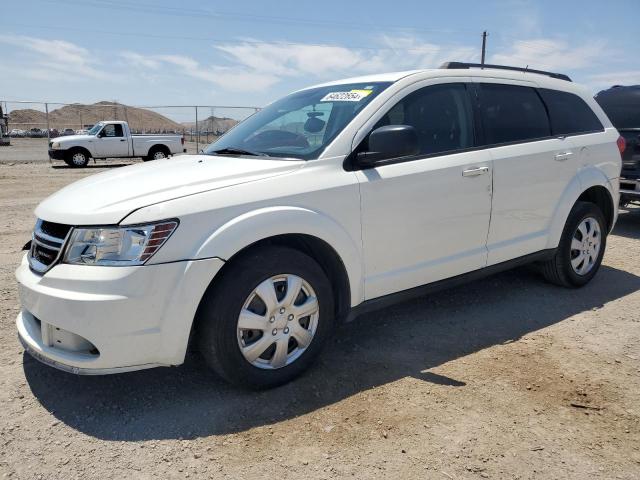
(586, 178)
(75, 144)
(256, 225)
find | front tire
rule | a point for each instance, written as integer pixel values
(264, 322)
(581, 247)
(77, 159)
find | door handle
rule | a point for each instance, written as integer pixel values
(123, 140)
(474, 172)
(560, 157)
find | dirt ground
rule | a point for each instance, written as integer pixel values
(507, 377)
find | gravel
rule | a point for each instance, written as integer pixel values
(507, 377)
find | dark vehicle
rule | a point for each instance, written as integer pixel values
(37, 133)
(622, 106)
(5, 138)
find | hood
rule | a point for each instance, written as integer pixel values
(71, 138)
(108, 197)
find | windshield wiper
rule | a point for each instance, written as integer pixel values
(236, 151)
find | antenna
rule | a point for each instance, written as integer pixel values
(484, 47)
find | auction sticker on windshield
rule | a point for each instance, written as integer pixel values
(352, 96)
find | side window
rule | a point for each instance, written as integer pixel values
(441, 114)
(112, 130)
(511, 113)
(569, 113)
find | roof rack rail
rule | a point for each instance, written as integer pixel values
(464, 65)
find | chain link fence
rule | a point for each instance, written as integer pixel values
(29, 125)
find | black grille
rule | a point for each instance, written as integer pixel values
(46, 245)
(44, 255)
(57, 230)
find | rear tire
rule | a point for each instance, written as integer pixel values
(581, 247)
(156, 153)
(281, 342)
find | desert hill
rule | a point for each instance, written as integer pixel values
(141, 120)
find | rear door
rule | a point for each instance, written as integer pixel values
(112, 142)
(531, 168)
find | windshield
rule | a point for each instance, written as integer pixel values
(300, 125)
(96, 128)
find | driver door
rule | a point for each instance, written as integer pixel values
(426, 218)
(111, 142)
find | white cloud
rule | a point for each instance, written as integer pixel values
(138, 60)
(392, 53)
(56, 58)
(551, 54)
(253, 65)
(228, 78)
(291, 60)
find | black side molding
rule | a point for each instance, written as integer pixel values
(398, 297)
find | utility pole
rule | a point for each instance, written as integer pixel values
(484, 46)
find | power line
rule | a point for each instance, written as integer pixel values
(212, 39)
(148, 8)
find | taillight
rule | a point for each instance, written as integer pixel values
(182, 140)
(622, 144)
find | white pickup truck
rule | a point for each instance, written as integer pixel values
(113, 139)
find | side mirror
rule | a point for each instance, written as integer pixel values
(390, 141)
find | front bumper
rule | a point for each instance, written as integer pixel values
(57, 154)
(96, 320)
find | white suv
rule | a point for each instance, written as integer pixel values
(329, 202)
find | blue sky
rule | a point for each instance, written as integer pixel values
(251, 52)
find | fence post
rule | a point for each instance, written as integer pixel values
(46, 112)
(213, 119)
(197, 133)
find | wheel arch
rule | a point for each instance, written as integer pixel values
(600, 196)
(306, 230)
(590, 185)
(79, 148)
(159, 147)
(320, 251)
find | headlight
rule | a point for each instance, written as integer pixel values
(55, 145)
(117, 246)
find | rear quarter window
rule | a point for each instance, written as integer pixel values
(511, 113)
(569, 114)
